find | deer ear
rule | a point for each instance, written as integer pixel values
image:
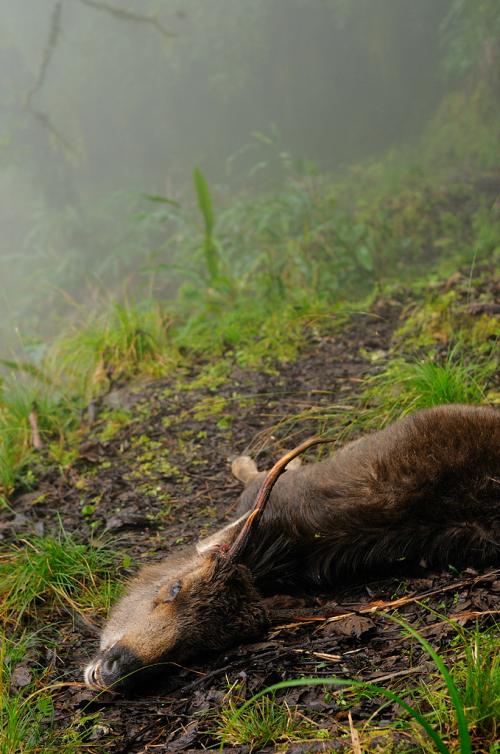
(220, 537)
(244, 468)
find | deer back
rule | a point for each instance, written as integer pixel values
(426, 488)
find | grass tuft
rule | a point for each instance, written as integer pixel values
(476, 673)
(55, 416)
(265, 721)
(407, 386)
(121, 343)
(432, 384)
(52, 572)
(457, 714)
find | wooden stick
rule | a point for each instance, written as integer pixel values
(35, 432)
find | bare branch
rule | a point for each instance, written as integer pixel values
(50, 48)
(44, 119)
(127, 15)
(48, 53)
(36, 440)
(54, 32)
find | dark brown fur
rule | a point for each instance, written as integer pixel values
(426, 489)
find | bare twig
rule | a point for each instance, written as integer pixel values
(356, 746)
(126, 15)
(48, 53)
(36, 440)
(50, 47)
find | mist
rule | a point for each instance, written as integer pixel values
(105, 102)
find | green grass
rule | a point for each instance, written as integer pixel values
(265, 273)
(22, 716)
(267, 721)
(27, 713)
(456, 714)
(123, 341)
(55, 415)
(405, 386)
(476, 673)
(45, 573)
(430, 384)
(402, 386)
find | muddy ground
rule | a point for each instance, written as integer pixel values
(153, 474)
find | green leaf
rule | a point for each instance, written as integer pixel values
(332, 681)
(212, 259)
(205, 205)
(463, 728)
(364, 257)
(162, 200)
(204, 200)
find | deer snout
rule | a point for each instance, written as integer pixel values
(112, 669)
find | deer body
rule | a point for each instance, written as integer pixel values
(426, 489)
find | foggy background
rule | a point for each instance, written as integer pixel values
(102, 103)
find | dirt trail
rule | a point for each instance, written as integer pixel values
(162, 477)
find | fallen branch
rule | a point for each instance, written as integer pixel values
(126, 15)
(36, 440)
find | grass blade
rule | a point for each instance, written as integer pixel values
(332, 681)
(463, 728)
(205, 205)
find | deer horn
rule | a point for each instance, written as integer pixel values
(279, 467)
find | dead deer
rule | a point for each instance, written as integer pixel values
(424, 490)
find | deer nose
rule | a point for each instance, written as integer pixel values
(112, 668)
(118, 663)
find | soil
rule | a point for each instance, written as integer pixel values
(162, 478)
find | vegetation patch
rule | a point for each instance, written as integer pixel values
(266, 720)
(406, 386)
(46, 573)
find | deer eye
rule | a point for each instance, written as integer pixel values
(174, 591)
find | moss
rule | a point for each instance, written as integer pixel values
(152, 468)
(212, 405)
(445, 318)
(150, 464)
(211, 377)
(111, 422)
(152, 490)
(428, 323)
(484, 333)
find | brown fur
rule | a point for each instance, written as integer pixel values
(426, 489)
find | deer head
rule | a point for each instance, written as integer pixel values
(204, 599)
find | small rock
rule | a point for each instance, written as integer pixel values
(99, 731)
(129, 521)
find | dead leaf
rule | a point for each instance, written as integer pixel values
(352, 625)
(21, 677)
